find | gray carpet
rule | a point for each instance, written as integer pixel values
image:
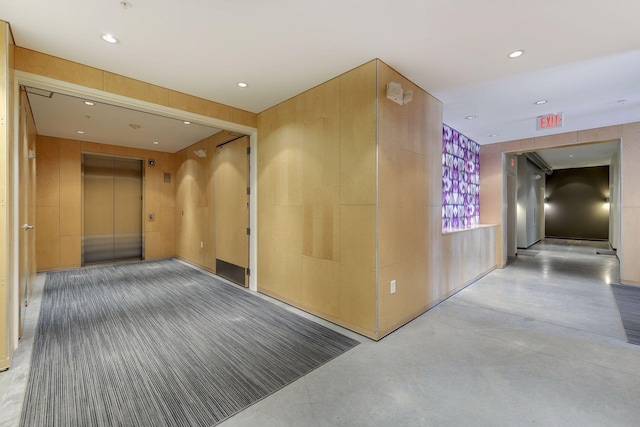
(628, 301)
(162, 344)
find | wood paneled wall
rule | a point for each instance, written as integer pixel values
(317, 200)
(59, 201)
(426, 265)
(629, 136)
(349, 199)
(194, 215)
(6, 287)
(60, 69)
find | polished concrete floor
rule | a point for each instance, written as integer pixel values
(539, 342)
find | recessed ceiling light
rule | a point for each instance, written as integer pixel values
(186, 122)
(516, 53)
(471, 117)
(109, 38)
(570, 155)
(540, 102)
(242, 84)
(80, 132)
(493, 135)
(155, 142)
(89, 103)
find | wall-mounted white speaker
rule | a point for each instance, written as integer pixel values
(395, 93)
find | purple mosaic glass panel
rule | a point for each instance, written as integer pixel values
(460, 180)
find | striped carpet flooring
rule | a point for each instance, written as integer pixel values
(162, 344)
(628, 301)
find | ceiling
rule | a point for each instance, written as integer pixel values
(585, 61)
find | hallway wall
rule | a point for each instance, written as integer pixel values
(576, 206)
(194, 197)
(59, 201)
(7, 260)
(317, 200)
(491, 184)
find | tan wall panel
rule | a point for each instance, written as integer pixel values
(204, 107)
(630, 254)
(599, 134)
(316, 200)
(630, 169)
(48, 237)
(320, 114)
(70, 251)
(125, 86)
(280, 252)
(357, 132)
(406, 146)
(321, 285)
(6, 91)
(56, 68)
(48, 171)
(557, 140)
(153, 245)
(71, 186)
(358, 268)
(60, 69)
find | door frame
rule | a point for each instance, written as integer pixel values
(47, 83)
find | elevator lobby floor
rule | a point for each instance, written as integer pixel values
(539, 342)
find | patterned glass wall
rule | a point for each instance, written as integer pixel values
(460, 181)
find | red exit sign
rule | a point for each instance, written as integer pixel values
(549, 121)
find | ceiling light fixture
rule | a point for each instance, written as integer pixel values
(493, 135)
(186, 123)
(540, 102)
(89, 103)
(80, 132)
(471, 117)
(155, 143)
(109, 38)
(242, 84)
(516, 53)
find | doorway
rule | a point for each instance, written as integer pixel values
(112, 209)
(231, 210)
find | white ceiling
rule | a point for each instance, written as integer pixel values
(584, 156)
(583, 57)
(65, 116)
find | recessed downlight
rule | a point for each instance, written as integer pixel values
(516, 53)
(471, 117)
(155, 143)
(89, 103)
(493, 135)
(242, 84)
(109, 38)
(80, 132)
(186, 122)
(541, 101)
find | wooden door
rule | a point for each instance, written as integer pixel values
(231, 210)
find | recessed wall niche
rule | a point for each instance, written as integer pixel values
(460, 181)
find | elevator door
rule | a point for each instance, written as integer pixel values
(231, 206)
(112, 220)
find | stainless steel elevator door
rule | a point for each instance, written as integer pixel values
(112, 220)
